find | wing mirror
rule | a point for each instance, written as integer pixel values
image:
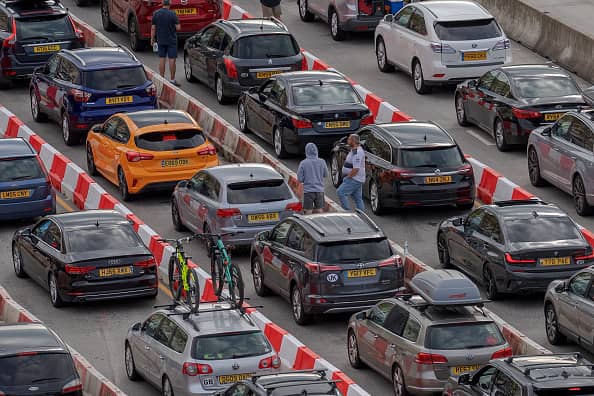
(472, 83)
(561, 287)
(263, 236)
(97, 128)
(136, 326)
(464, 379)
(546, 131)
(361, 315)
(40, 70)
(253, 90)
(458, 221)
(26, 232)
(389, 18)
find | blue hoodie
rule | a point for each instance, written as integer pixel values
(312, 170)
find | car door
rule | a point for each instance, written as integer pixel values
(199, 54)
(568, 309)
(505, 385)
(400, 335)
(414, 39)
(50, 250)
(104, 151)
(213, 52)
(294, 258)
(378, 159)
(370, 344)
(66, 78)
(174, 359)
(31, 253)
(256, 108)
(46, 88)
(272, 110)
(163, 358)
(586, 315)
(482, 381)
(497, 100)
(117, 11)
(207, 202)
(489, 245)
(475, 104)
(272, 256)
(395, 43)
(577, 149)
(144, 354)
(550, 161)
(462, 246)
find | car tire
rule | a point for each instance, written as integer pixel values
(178, 225)
(91, 168)
(335, 29)
(534, 168)
(189, 74)
(419, 83)
(304, 14)
(499, 135)
(70, 137)
(108, 25)
(381, 56)
(81, 3)
(460, 111)
(375, 198)
(353, 350)
(130, 365)
(166, 388)
(220, 90)
(443, 251)
(17, 262)
(36, 113)
(242, 117)
(136, 43)
(335, 171)
(582, 207)
(258, 277)
(279, 143)
(299, 315)
(123, 186)
(54, 291)
(554, 335)
(490, 284)
(398, 383)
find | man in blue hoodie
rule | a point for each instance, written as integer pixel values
(312, 172)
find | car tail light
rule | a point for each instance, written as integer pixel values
(78, 270)
(367, 120)
(502, 353)
(72, 386)
(135, 156)
(10, 41)
(401, 174)
(42, 166)
(523, 114)
(193, 369)
(151, 90)
(269, 362)
(465, 169)
(208, 150)
(79, 95)
(430, 358)
(231, 68)
(301, 123)
(228, 212)
(394, 261)
(502, 44)
(439, 48)
(294, 206)
(28, 353)
(315, 268)
(146, 263)
(510, 260)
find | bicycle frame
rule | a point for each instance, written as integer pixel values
(226, 260)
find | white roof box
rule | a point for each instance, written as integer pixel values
(446, 287)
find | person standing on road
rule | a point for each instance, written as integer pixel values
(353, 172)
(271, 8)
(311, 172)
(164, 32)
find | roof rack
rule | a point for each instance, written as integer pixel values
(226, 22)
(310, 223)
(278, 23)
(270, 388)
(125, 49)
(518, 202)
(78, 58)
(527, 370)
(576, 355)
(321, 372)
(365, 217)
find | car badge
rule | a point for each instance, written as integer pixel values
(332, 278)
(336, 115)
(113, 261)
(474, 45)
(269, 61)
(33, 388)
(556, 254)
(437, 171)
(235, 366)
(184, 2)
(559, 106)
(469, 357)
(359, 265)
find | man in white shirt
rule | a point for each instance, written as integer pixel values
(353, 172)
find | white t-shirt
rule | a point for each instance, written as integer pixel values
(355, 159)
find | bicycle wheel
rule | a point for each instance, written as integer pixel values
(236, 289)
(216, 273)
(175, 278)
(193, 295)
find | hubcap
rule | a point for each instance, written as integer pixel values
(278, 145)
(460, 109)
(551, 324)
(302, 7)
(334, 170)
(490, 282)
(242, 121)
(334, 24)
(167, 388)
(53, 288)
(132, 30)
(34, 105)
(187, 68)
(442, 249)
(418, 76)
(533, 169)
(16, 259)
(499, 134)
(352, 348)
(398, 383)
(374, 196)
(257, 276)
(381, 54)
(176, 218)
(578, 193)
(129, 362)
(219, 89)
(296, 303)
(105, 11)
(65, 127)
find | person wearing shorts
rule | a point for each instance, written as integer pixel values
(311, 172)
(165, 25)
(271, 8)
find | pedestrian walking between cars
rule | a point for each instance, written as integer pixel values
(271, 8)
(165, 25)
(312, 172)
(353, 171)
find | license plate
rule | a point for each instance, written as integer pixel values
(46, 48)
(361, 273)
(172, 163)
(464, 369)
(337, 124)
(267, 74)
(260, 217)
(438, 179)
(115, 271)
(555, 261)
(185, 11)
(15, 194)
(118, 100)
(228, 379)
(474, 56)
(552, 116)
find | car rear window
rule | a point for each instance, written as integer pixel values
(103, 238)
(35, 369)
(541, 229)
(148, 118)
(349, 252)
(442, 157)
(53, 27)
(463, 336)
(544, 87)
(166, 141)
(479, 29)
(326, 94)
(230, 346)
(265, 46)
(114, 78)
(258, 192)
(14, 169)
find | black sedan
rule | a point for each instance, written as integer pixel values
(85, 256)
(292, 109)
(511, 101)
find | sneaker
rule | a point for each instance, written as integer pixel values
(174, 82)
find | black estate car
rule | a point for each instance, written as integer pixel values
(231, 56)
(85, 256)
(410, 164)
(326, 263)
(511, 101)
(514, 246)
(293, 109)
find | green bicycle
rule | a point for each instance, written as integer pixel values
(183, 280)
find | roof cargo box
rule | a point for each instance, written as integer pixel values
(446, 287)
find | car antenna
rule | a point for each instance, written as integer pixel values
(534, 214)
(349, 230)
(262, 24)
(165, 122)
(97, 223)
(425, 138)
(321, 83)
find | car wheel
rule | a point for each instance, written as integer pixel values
(490, 284)
(188, 68)
(418, 80)
(258, 277)
(582, 207)
(81, 3)
(136, 43)
(220, 90)
(279, 144)
(38, 116)
(178, 225)
(304, 14)
(335, 29)
(375, 199)
(91, 168)
(108, 26)
(398, 381)
(552, 326)
(54, 292)
(70, 138)
(167, 389)
(534, 168)
(242, 115)
(443, 251)
(499, 133)
(130, 365)
(335, 171)
(123, 185)
(299, 314)
(353, 350)
(17, 262)
(460, 110)
(382, 56)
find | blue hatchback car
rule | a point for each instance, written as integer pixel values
(25, 189)
(83, 87)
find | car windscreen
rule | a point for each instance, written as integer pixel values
(479, 29)
(348, 252)
(259, 191)
(544, 87)
(35, 369)
(463, 336)
(540, 229)
(114, 78)
(107, 238)
(324, 95)
(54, 27)
(230, 346)
(264, 46)
(166, 141)
(440, 157)
(14, 169)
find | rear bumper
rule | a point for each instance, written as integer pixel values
(533, 282)
(28, 209)
(517, 132)
(89, 118)
(406, 196)
(119, 294)
(361, 23)
(247, 234)
(83, 290)
(345, 303)
(437, 73)
(296, 142)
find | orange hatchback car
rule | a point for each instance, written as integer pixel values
(148, 150)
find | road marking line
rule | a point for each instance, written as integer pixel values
(64, 204)
(165, 290)
(479, 137)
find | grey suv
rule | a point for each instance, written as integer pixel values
(200, 354)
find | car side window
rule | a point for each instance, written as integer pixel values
(403, 16)
(501, 85)
(53, 236)
(473, 221)
(210, 188)
(178, 342)
(411, 330)
(151, 325)
(579, 284)
(3, 21)
(308, 246)
(41, 228)
(364, 136)
(266, 88)
(239, 390)
(561, 127)
(396, 320)
(279, 234)
(591, 294)
(484, 378)
(206, 36)
(276, 92)
(68, 72)
(580, 134)
(490, 227)
(216, 40)
(417, 23)
(197, 181)
(110, 126)
(295, 238)
(503, 385)
(164, 333)
(380, 312)
(52, 65)
(486, 80)
(121, 133)
(378, 147)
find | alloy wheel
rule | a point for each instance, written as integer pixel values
(334, 171)
(219, 89)
(65, 128)
(296, 303)
(34, 106)
(418, 77)
(398, 382)
(167, 391)
(278, 142)
(16, 261)
(551, 323)
(187, 68)
(53, 288)
(242, 117)
(257, 275)
(460, 112)
(499, 134)
(381, 54)
(442, 251)
(334, 24)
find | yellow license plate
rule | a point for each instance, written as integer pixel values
(464, 369)
(260, 217)
(15, 194)
(228, 379)
(172, 163)
(555, 261)
(267, 74)
(46, 48)
(337, 124)
(119, 100)
(474, 56)
(438, 179)
(115, 271)
(361, 273)
(185, 11)
(552, 116)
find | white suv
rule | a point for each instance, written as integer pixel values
(441, 42)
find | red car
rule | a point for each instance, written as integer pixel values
(134, 17)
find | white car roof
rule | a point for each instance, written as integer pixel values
(455, 10)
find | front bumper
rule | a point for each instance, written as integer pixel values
(28, 209)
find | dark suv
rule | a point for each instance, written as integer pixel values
(234, 55)
(326, 263)
(539, 375)
(31, 31)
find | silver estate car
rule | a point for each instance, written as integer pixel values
(562, 154)
(419, 340)
(199, 354)
(569, 310)
(241, 198)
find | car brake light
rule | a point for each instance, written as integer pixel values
(523, 114)
(502, 44)
(394, 261)
(80, 95)
(228, 212)
(315, 268)
(465, 169)
(368, 119)
(502, 353)
(146, 263)
(10, 41)
(439, 48)
(586, 256)
(78, 270)
(208, 150)
(300, 123)
(231, 68)
(294, 206)
(135, 156)
(401, 174)
(28, 353)
(269, 362)
(151, 90)
(511, 260)
(193, 369)
(430, 358)
(72, 386)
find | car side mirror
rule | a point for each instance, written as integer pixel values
(464, 379)
(546, 131)
(458, 222)
(264, 236)
(40, 70)
(262, 96)
(361, 315)
(26, 232)
(389, 18)
(472, 83)
(98, 128)
(136, 326)
(561, 287)
(253, 90)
